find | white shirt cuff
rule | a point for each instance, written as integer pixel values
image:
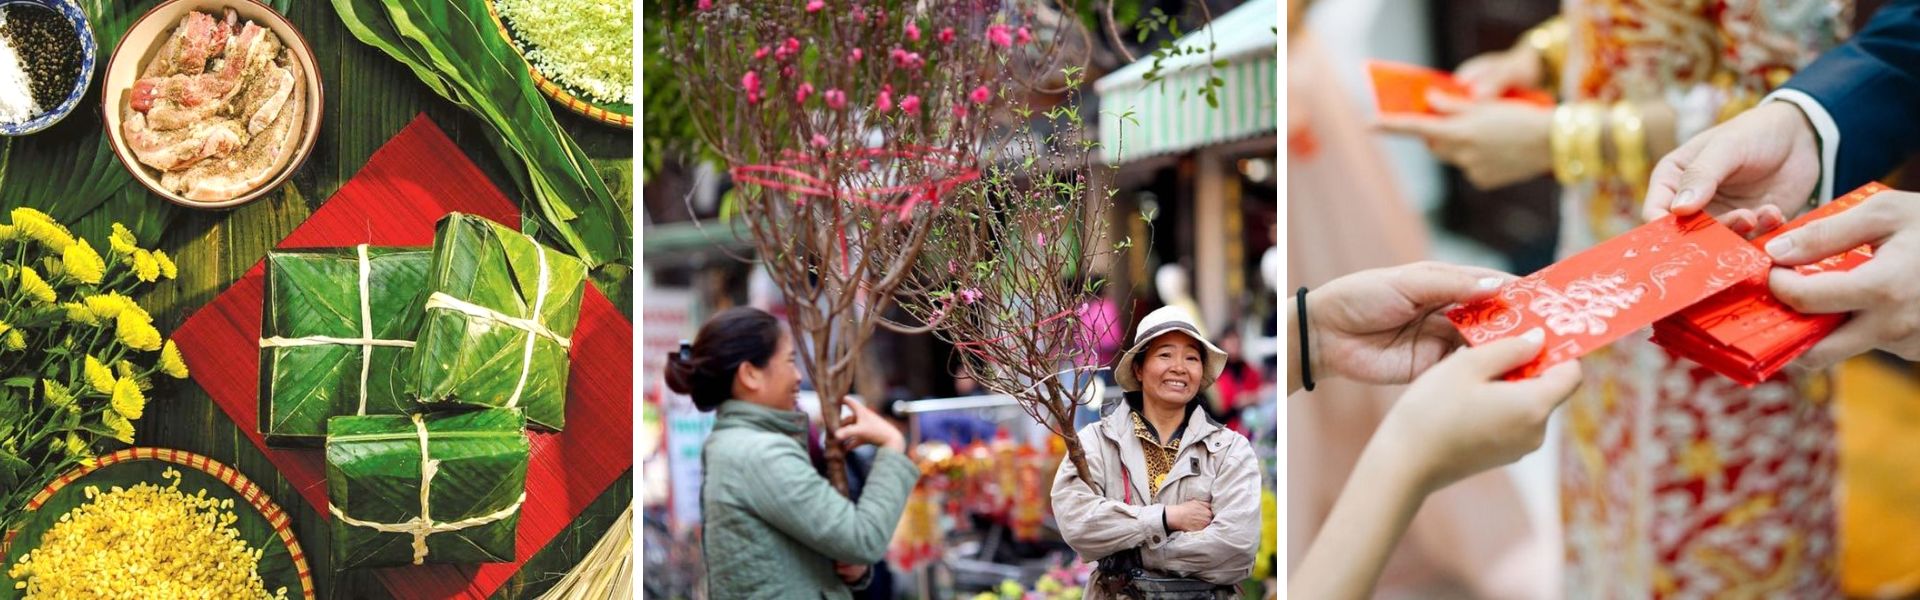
(1824, 127)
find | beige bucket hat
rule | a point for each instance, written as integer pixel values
(1158, 323)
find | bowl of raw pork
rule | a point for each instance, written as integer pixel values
(212, 103)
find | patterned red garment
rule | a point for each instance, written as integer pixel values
(1677, 482)
(394, 200)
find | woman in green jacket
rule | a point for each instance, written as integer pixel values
(774, 527)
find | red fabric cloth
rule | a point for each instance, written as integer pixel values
(406, 186)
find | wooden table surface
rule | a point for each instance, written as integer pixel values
(369, 98)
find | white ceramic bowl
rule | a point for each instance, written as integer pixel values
(143, 40)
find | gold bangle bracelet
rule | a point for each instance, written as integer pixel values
(1592, 119)
(1575, 142)
(1629, 144)
(1560, 140)
(1548, 40)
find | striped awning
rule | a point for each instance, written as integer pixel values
(1171, 115)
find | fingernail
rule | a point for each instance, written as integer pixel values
(1780, 246)
(1535, 335)
(1487, 283)
(1686, 198)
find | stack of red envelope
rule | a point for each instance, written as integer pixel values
(1401, 88)
(1747, 334)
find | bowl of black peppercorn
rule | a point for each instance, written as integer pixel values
(47, 53)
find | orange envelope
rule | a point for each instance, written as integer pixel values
(1400, 88)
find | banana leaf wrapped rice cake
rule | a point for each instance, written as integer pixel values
(500, 315)
(426, 488)
(337, 336)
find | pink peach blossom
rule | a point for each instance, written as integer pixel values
(788, 49)
(980, 95)
(816, 5)
(946, 35)
(913, 31)
(800, 94)
(884, 102)
(960, 111)
(855, 55)
(819, 141)
(751, 83)
(901, 58)
(910, 104)
(761, 53)
(836, 99)
(1022, 36)
(999, 35)
(704, 5)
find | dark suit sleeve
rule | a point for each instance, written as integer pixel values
(1870, 86)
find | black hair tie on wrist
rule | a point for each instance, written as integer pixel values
(1306, 362)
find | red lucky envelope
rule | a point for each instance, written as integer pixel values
(1615, 288)
(1400, 88)
(1747, 334)
(412, 181)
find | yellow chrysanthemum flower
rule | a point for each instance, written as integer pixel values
(127, 399)
(108, 306)
(122, 240)
(136, 331)
(171, 362)
(167, 268)
(98, 376)
(42, 228)
(27, 215)
(83, 263)
(75, 445)
(57, 394)
(144, 267)
(9, 233)
(127, 371)
(16, 341)
(122, 428)
(34, 286)
(78, 313)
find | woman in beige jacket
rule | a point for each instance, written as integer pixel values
(1178, 500)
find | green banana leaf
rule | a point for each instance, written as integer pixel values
(454, 48)
(317, 293)
(466, 360)
(277, 567)
(374, 476)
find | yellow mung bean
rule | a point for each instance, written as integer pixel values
(147, 542)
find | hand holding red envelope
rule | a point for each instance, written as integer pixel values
(1702, 287)
(1400, 88)
(1615, 288)
(1746, 333)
